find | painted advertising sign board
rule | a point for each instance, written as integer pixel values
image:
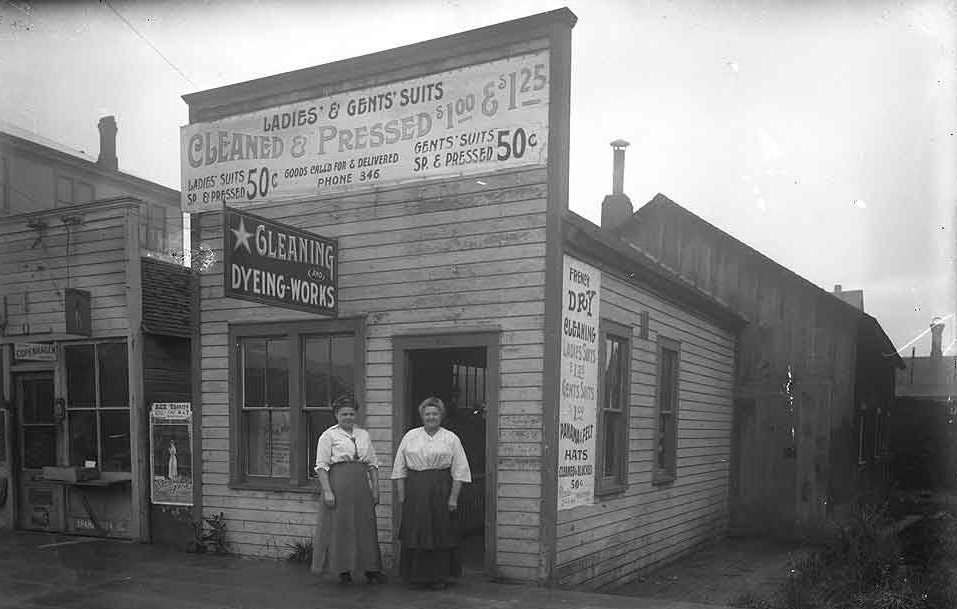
(171, 462)
(35, 352)
(279, 265)
(475, 119)
(578, 398)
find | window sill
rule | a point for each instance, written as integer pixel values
(610, 490)
(663, 478)
(273, 486)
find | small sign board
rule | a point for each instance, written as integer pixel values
(35, 352)
(171, 463)
(275, 264)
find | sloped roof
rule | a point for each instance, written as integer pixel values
(56, 152)
(661, 203)
(637, 265)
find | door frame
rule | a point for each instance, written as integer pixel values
(401, 346)
(15, 428)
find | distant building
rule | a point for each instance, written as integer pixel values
(814, 373)
(95, 326)
(40, 175)
(923, 442)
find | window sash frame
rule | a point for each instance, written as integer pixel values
(299, 479)
(97, 407)
(617, 482)
(668, 473)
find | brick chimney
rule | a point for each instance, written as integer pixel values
(107, 158)
(616, 209)
(936, 337)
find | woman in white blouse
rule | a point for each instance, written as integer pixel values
(430, 468)
(346, 538)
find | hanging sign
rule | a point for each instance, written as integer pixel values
(475, 119)
(578, 401)
(171, 463)
(279, 265)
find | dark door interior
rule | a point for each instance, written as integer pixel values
(458, 377)
(38, 437)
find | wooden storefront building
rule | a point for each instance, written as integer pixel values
(94, 327)
(591, 387)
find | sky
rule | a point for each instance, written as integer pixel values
(821, 133)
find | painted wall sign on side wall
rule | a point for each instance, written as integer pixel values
(171, 460)
(475, 119)
(578, 397)
(279, 265)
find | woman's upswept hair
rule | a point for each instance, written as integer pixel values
(346, 400)
(432, 402)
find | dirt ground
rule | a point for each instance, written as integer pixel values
(719, 573)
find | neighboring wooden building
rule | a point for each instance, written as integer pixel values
(94, 327)
(923, 423)
(39, 175)
(815, 374)
(451, 280)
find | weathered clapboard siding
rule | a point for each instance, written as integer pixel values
(647, 524)
(90, 256)
(412, 260)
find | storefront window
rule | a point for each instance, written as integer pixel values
(98, 416)
(287, 382)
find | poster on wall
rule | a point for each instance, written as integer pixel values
(479, 118)
(171, 463)
(578, 398)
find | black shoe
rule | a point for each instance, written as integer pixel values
(375, 577)
(345, 578)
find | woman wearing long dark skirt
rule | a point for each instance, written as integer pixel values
(346, 539)
(429, 470)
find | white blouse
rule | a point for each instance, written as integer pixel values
(419, 451)
(336, 445)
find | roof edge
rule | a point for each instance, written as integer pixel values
(660, 279)
(516, 30)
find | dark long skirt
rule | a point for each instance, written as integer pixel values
(346, 537)
(428, 532)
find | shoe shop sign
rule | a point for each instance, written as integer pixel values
(475, 119)
(279, 265)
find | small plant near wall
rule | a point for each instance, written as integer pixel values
(300, 551)
(211, 540)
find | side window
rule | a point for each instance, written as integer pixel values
(666, 433)
(613, 408)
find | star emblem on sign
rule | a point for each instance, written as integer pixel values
(242, 236)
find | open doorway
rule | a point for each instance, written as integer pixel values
(459, 371)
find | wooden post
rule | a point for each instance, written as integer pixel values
(139, 418)
(558, 138)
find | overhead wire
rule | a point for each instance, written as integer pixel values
(150, 44)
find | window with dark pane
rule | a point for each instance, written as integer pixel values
(266, 418)
(80, 376)
(113, 375)
(115, 438)
(83, 437)
(613, 408)
(667, 428)
(328, 371)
